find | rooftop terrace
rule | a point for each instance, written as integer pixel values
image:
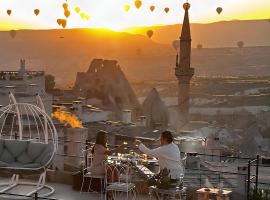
(16, 75)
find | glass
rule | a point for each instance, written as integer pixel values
(144, 157)
(125, 143)
(181, 181)
(118, 156)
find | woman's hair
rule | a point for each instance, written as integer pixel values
(168, 136)
(100, 139)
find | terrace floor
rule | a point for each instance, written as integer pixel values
(62, 192)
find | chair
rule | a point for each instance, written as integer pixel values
(178, 192)
(28, 144)
(118, 181)
(184, 163)
(88, 175)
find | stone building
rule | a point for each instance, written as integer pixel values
(157, 114)
(24, 84)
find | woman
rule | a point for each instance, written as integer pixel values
(100, 153)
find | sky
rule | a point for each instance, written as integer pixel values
(111, 14)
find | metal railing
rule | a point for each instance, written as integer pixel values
(251, 177)
(87, 144)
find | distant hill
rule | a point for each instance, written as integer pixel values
(65, 52)
(218, 34)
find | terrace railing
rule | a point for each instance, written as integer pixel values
(215, 176)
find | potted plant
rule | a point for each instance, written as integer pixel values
(260, 194)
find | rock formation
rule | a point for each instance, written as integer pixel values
(154, 109)
(105, 81)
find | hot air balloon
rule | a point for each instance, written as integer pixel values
(138, 3)
(77, 9)
(65, 6)
(12, 33)
(176, 44)
(126, 7)
(84, 16)
(59, 21)
(199, 46)
(138, 51)
(87, 16)
(152, 8)
(9, 12)
(166, 9)
(240, 44)
(36, 11)
(67, 13)
(150, 33)
(219, 10)
(64, 23)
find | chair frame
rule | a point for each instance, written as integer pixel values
(171, 193)
(88, 175)
(47, 128)
(91, 177)
(123, 172)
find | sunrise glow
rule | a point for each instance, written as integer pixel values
(111, 13)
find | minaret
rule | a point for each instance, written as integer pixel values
(183, 71)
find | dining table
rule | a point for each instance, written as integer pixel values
(219, 194)
(147, 167)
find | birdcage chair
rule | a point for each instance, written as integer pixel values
(118, 183)
(28, 144)
(87, 174)
(177, 192)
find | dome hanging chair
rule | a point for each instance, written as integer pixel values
(28, 144)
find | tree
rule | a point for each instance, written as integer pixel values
(49, 82)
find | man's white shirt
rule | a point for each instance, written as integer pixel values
(168, 157)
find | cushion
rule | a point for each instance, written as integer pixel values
(7, 157)
(1, 147)
(24, 158)
(46, 155)
(32, 165)
(16, 147)
(15, 165)
(20, 154)
(35, 149)
(3, 164)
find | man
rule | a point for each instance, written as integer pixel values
(168, 154)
